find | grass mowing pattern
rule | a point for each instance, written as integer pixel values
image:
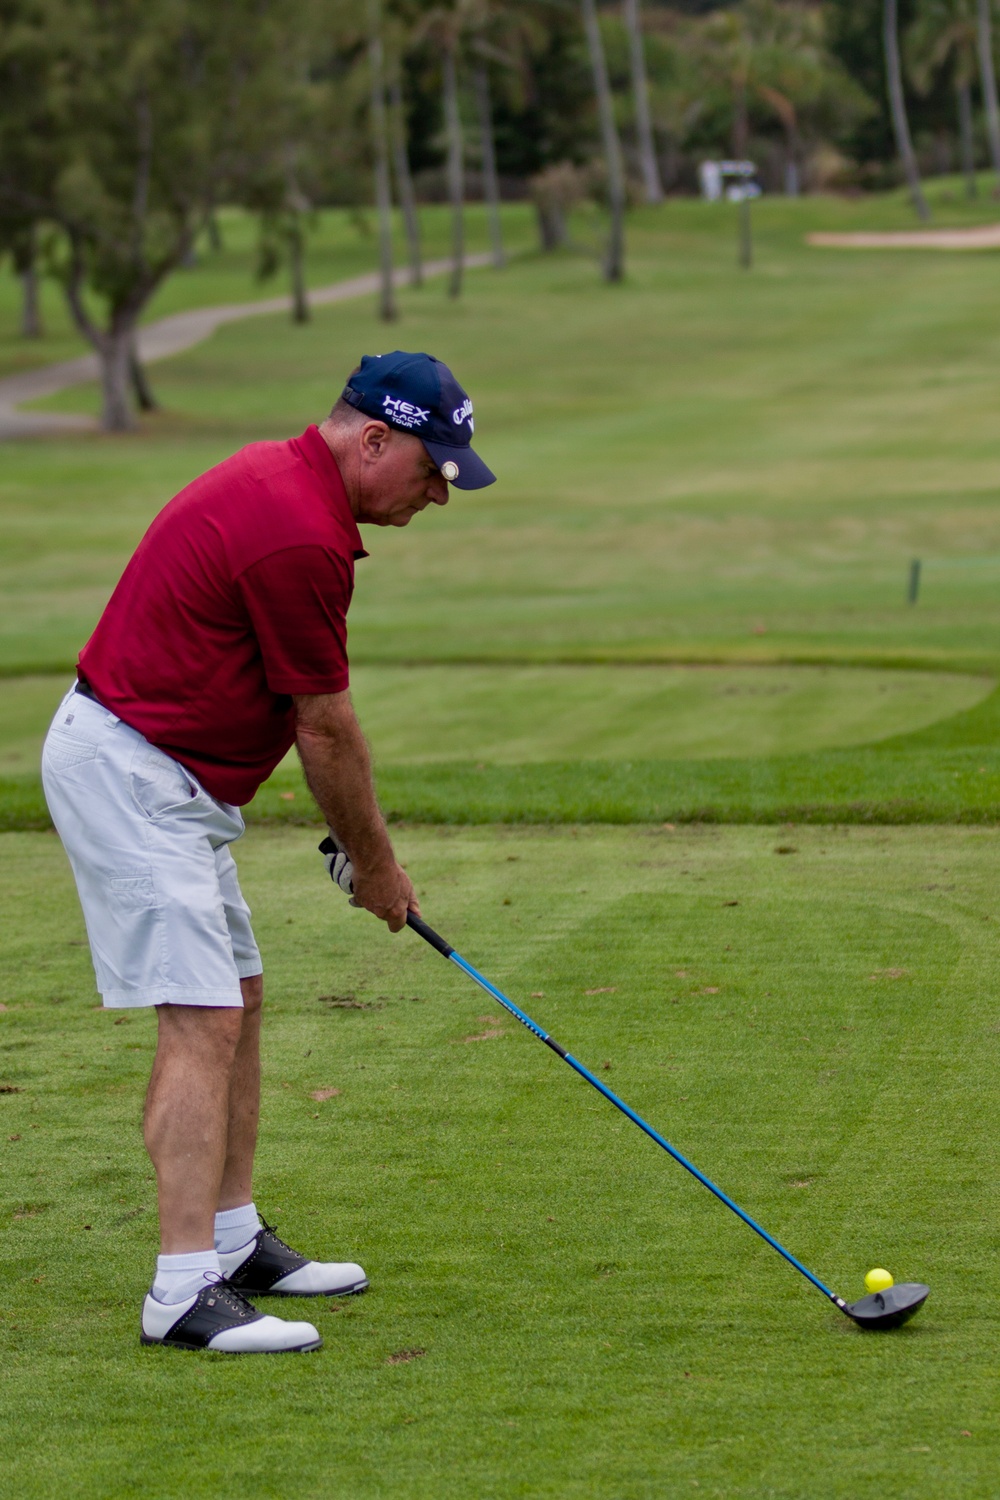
(585, 708)
(593, 1325)
(699, 465)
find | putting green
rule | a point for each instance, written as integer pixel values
(518, 714)
(420, 715)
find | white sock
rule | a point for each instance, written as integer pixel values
(236, 1227)
(181, 1276)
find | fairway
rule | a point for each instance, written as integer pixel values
(580, 1318)
(695, 465)
(682, 608)
(698, 467)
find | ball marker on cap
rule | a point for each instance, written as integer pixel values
(449, 470)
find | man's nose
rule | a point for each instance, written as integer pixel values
(438, 490)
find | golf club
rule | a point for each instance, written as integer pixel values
(879, 1310)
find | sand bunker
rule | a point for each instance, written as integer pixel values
(982, 237)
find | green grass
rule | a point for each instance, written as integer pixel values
(626, 744)
(699, 463)
(699, 466)
(593, 1323)
(340, 245)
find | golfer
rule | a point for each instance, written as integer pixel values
(223, 645)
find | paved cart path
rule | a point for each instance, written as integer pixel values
(158, 341)
(981, 237)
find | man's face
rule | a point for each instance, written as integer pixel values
(397, 478)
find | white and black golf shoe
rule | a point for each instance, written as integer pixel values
(267, 1267)
(221, 1318)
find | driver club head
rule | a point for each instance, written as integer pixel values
(888, 1309)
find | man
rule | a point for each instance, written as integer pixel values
(223, 644)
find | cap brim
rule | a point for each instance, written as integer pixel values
(472, 472)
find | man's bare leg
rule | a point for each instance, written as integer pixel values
(187, 1119)
(244, 1102)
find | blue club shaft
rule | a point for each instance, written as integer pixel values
(445, 949)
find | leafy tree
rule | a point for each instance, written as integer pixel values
(287, 169)
(19, 236)
(771, 60)
(158, 108)
(30, 153)
(945, 33)
(987, 69)
(380, 148)
(401, 164)
(614, 260)
(442, 25)
(897, 103)
(648, 163)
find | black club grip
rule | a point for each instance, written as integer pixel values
(428, 934)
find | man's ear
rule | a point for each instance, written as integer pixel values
(374, 440)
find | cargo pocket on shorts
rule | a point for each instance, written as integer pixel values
(133, 890)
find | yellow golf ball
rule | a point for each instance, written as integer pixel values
(878, 1280)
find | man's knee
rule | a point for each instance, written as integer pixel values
(252, 990)
(204, 1029)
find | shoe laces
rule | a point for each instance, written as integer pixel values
(228, 1296)
(271, 1230)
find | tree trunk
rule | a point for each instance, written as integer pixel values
(297, 264)
(987, 72)
(614, 264)
(745, 236)
(25, 253)
(404, 179)
(793, 179)
(31, 315)
(897, 104)
(965, 137)
(741, 123)
(214, 232)
(456, 183)
(648, 163)
(114, 351)
(139, 380)
(551, 226)
(383, 198)
(491, 187)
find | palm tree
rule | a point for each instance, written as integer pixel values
(897, 105)
(401, 168)
(614, 262)
(984, 37)
(773, 53)
(455, 163)
(640, 90)
(943, 30)
(444, 25)
(491, 183)
(380, 144)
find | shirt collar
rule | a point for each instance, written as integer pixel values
(317, 455)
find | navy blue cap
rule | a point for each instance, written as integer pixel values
(417, 393)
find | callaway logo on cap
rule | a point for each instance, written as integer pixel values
(417, 393)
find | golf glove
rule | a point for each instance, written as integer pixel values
(338, 863)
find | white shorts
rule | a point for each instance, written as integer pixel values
(149, 848)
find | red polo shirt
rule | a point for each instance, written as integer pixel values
(235, 599)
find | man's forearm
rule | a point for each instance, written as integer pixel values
(339, 772)
(337, 767)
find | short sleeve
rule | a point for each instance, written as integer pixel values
(297, 600)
